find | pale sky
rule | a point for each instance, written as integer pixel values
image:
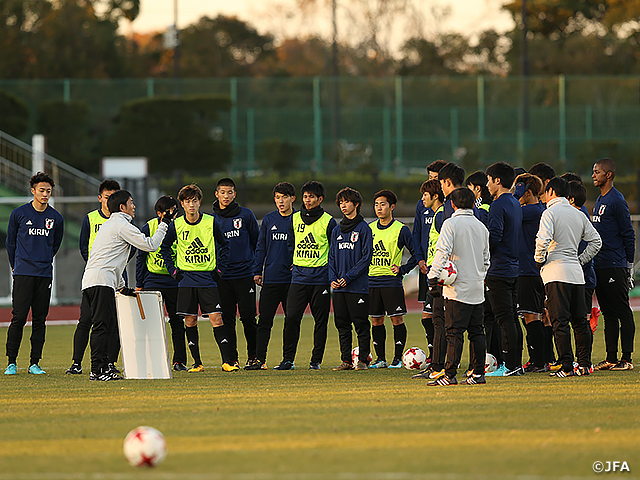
(466, 16)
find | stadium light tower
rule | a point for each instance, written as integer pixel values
(176, 49)
(524, 71)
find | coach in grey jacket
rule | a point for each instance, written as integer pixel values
(103, 273)
(562, 227)
(465, 241)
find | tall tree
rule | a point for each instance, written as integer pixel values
(222, 47)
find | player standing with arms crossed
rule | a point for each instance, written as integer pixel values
(237, 289)
(349, 259)
(272, 266)
(34, 235)
(201, 256)
(386, 293)
(88, 231)
(614, 267)
(311, 230)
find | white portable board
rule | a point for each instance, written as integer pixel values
(143, 338)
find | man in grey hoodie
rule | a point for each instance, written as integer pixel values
(562, 227)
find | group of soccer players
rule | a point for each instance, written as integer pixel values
(211, 265)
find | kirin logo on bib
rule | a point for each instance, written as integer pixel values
(237, 223)
(354, 237)
(48, 223)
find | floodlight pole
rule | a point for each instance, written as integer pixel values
(524, 69)
(176, 48)
(335, 72)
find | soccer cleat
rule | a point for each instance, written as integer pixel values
(534, 369)
(343, 366)
(362, 366)
(251, 363)
(75, 369)
(256, 365)
(199, 368)
(433, 375)
(423, 374)
(379, 364)
(622, 365)
(474, 380)
(104, 377)
(605, 365)
(285, 365)
(227, 367)
(397, 363)
(468, 373)
(314, 366)
(582, 371)
(179, 367)
(498, 372)
(443, 381)
(562, 374)
(516, 372)
(555, 366)
(36, 370)
(236, 364)
(112, 368)
(12, 369)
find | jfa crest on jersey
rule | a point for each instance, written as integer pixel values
(596, 218)
(48, 223)
(354, 236)
(237, 223)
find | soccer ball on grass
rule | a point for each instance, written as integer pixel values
(355, 357)
(414, 359)
(144, 446)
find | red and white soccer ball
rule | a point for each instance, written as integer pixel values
(144, 447)
(490, 363)
(448, 274)
(355, 357)
(414, 359)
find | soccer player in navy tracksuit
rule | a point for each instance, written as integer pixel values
(350, 254)
(432, 198)
(34, 235)
(505, 222)
(237, 288)
(152, 274)
(88, 231)
(530, 287)
(614, 266)
(272, 266)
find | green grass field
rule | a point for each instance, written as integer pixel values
(315, 424)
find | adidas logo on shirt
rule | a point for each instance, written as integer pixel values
(611, 280)
(29, 222)
(361, 301)
(274, 228)
(381, 257)
(197, 252)
(251, 290)
(218, 306)
(339, 237)
(325, 292)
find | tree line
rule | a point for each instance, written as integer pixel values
(44, 39)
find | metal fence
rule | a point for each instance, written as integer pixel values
(393, 124)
